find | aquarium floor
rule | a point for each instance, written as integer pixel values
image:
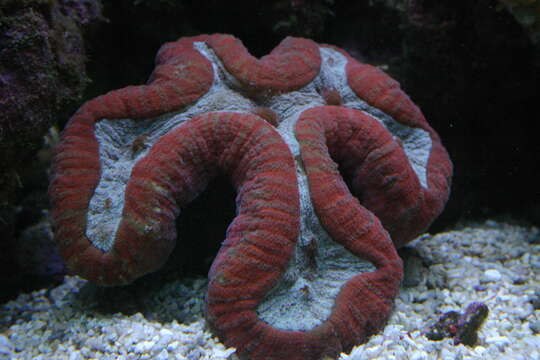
(493, 262)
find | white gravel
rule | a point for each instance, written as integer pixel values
(493, 262)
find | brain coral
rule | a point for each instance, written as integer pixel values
(307, 270)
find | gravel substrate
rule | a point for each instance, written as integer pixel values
(495, 263)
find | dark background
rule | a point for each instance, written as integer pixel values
(471, 67)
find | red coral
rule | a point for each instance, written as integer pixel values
(131, 158)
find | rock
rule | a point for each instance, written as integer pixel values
(37, 255)
(413, 269)
(42, 78)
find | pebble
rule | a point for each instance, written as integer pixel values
(535, 300)
(491, 275)
(143, 347)
(535, 328)
(497, 340)
(163, 355)
(418, 356)
(480, 262)
(6, 347)
(480, 350)
(75, 356)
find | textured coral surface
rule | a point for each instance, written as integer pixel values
(307, 270)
